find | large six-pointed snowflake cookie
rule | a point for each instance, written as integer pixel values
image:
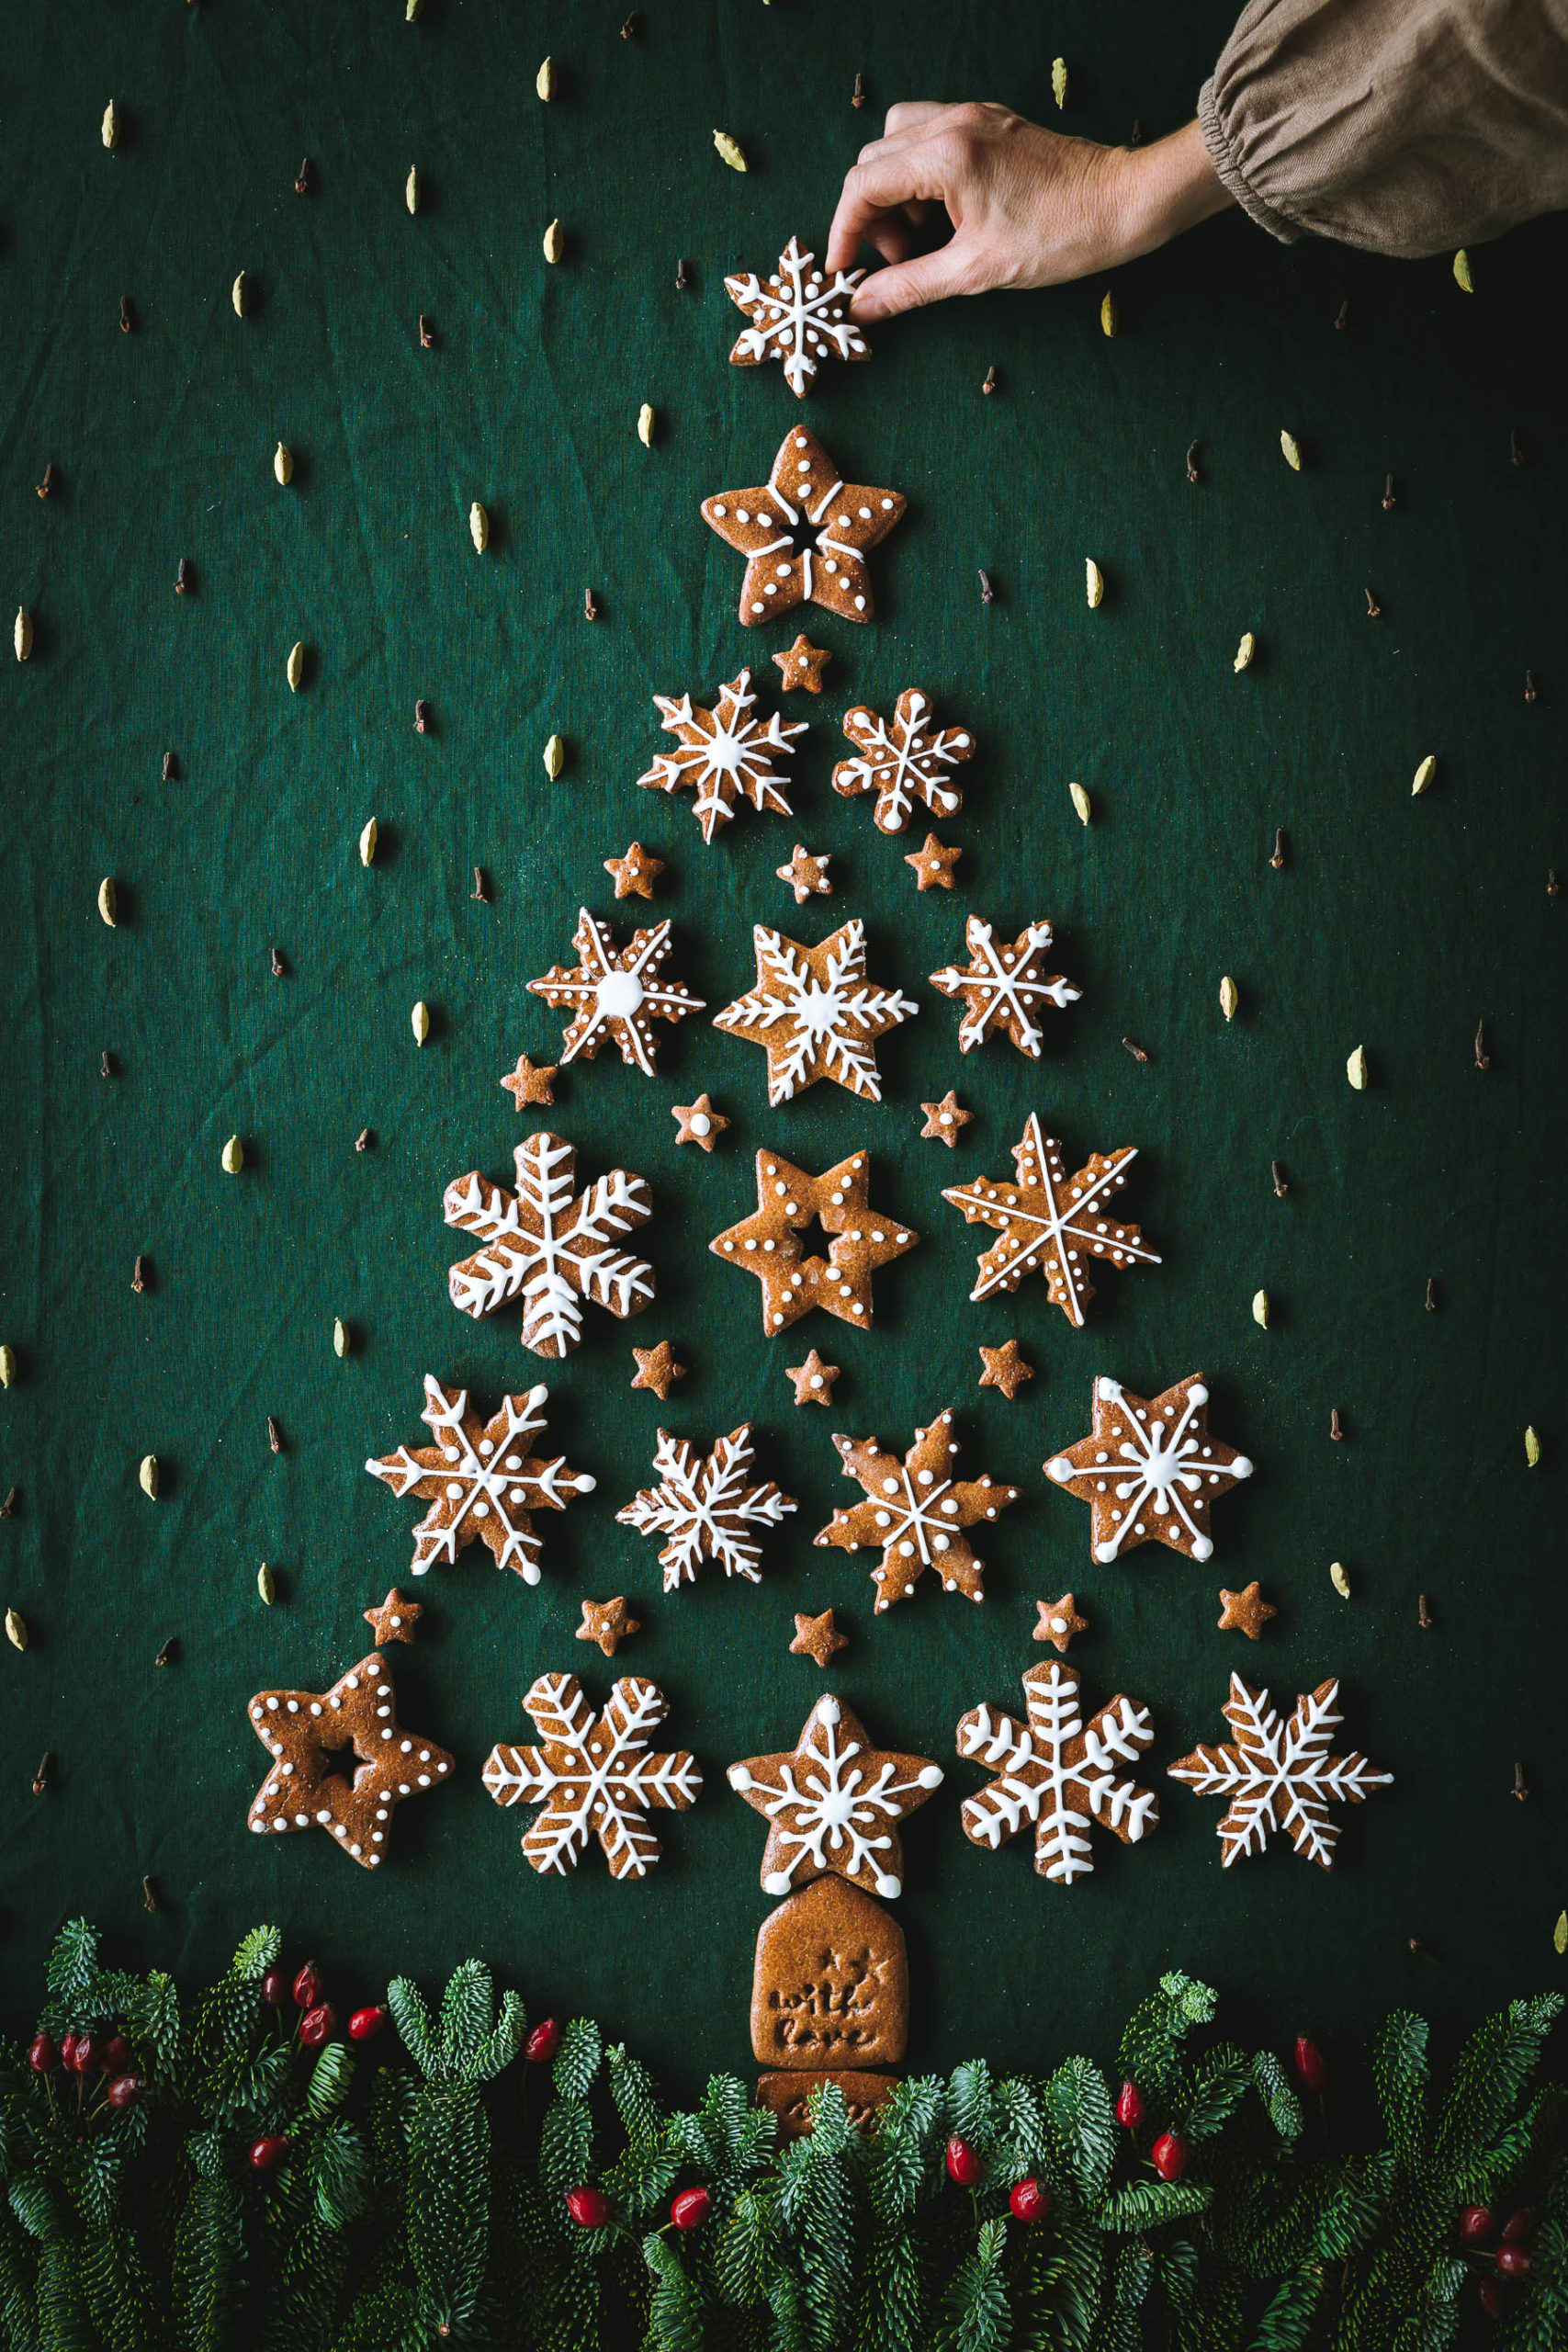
(1058, 1773)
(480, 1479)
(814, 1013)
(915, 1513)
(768, 1243)
(834, 1804)
(1004, 989)
(1052, 1221)
(594, 1775)
(723, 752)
(798, 316)
(550, 1246)
(1149, 1469)
(614, 994)
(1279, 1775)
(803, 533)
(902, 761)
(340, 1760)
(704, 1508)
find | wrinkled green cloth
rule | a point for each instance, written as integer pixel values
(1395, 923)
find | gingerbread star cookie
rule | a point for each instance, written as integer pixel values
(933, 865)
(818, 1637)
(1004, 988)
(635, 873)
(1053, 1222)
(528, 1083)
(1149, 1470)
(1058, 1621)
(815, 1014)
(548, 1244)
(802, 664)
(904, 760)
(1246, 1611)
(805, 533)
(800, 315)
(1279, 1775)
(698, 1122)
(915, 1513)
(606, 1623)
(946, 1120)
(615, 994)
(833, 1804)
(1005, 1369)
(768, 1243)
(340, 1760)
(480, 1479)
(656, 1369)
(594, 1775)
(813, 1380)
(724, 752)
(806, 876)
(394, 1621)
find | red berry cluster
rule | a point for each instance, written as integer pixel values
(591, 2208)
(315, 2025)
(1477, 2228)
(1170, 2152)
(86, 2055)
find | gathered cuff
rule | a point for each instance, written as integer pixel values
(1232, 177)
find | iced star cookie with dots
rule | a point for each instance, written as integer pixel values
(483, 1479)
(768, 1243)
(340, 1760)
(615, 994)
(805, 533)
(1149, 1470)
(1051, 1222)
(915, 1513)
(1004, 990)
(799, 316)
(904, 760)
(724, 752)
(833, 1805)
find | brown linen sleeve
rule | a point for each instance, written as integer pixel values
(1407, 126)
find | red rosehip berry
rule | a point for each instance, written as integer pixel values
(68, 2051)
(1476, 2225)
(275, 1988)
(1518, 2225)
(589, 2208)
(1489, 2295)
(124, 2091)
(115, 2057)
(317, 2025)
(1029, 2201)
(962, 2163)
(84, 2056)
(1514, 2261)
(268, 2153)
(689, 2208)
(1169, 2156)
(308, 1987)
(1130, 2107)
(366, 2024)
(42, 2055)
(1311, 2072)
(542, 2043)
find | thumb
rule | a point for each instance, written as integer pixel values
(909, 285)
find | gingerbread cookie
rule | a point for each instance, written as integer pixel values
(946, 1120)
(1279, 1775)
(831, 1982)
(814, 1013)
(614, 994)
(1052, 1222)
(530, 1082)
(813, 1380)
(1149, 1470)
(656, 1369)
(915, 1513)
(724, 752)
(787, 2099)
(594, 1775)
(902, 759)
(933, 864)
(768, 1243)
(818, 1637)
(394, 1621)
(798, 316)
(704, 1509)
(481, 1480)
(606, 1623)
(1005, 1368)
(1057, 1622)
(802, 664)
(634, 875)
(834, 1803)
(1004, 989)
(1246, 1611)
(1059, 1773)
(548, 1245)
(807, 875)
(698, 1123)
(805, 533)
(340, 1760)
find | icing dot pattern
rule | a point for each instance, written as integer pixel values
(915, 1513)
(805, 533)
(341, 1762)
(768, 1245)
(481, 1479)
(904, 760)
(1051, 1222)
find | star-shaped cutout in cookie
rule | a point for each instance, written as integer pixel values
(818, 1637)
(656, 1369)
(806, 876)
(1005, 1369)
(834, 1804)
(528, 1083)
(946, 1120)
(813, 1380)
(1004, 988)
(1246, 1611)
(724, 752)
(395, 1620)
(1149, 1470)
(768, 1243)
(698, 1122)
(933, 865)
(635, 873)
(815, 1014)
(342, 1760)
(804, 533)
(915, 1513)
(1052, 1221)
(1059, 1621)
(614, 994)
(803, 665)
(606, 1623)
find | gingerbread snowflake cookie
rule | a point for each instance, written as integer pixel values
(799, 316)
(483, 1479)
(615, 994)
(595, 1776)
(833, 1804)
(1058, 1774)
(915, 1513)
(1280, 1776)
(724, 753)
(1149, 1470)
(549, 1245)
(768, 1243)
(340, 1760)
(904, 760)
(1051, 1222)
(704, 1508)
(814, 1013)
(1005, 989)
(805, 533)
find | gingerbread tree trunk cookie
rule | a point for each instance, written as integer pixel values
(724, 752)
(595, 1776)
(904, 760)
(915, 1513)
(1004, 989)
(805, 533)
(704, 1509)
(834, 1804)
(814, 1013)
(1149, 1470)
(1059, 1773)
(768, 1244)
(1052, 1222)
(831, 1985)
(614, 994)
(549, 1245)
(799, 316)
(340, 1760)
(481, 1479)
(1279, 1775)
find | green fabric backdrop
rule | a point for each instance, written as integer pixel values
(1396, 922)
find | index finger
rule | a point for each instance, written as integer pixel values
(901, 172)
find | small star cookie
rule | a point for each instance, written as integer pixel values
(803, 665)
(658, 1370)
(606, 1623)
(818, 1637)
(528, 1083)
(395, 1620)
(1246, 1611)
(698, 1122)
(806, 876)
(1059, 1621)
(813, 1380)
(1005, 1369)
(635, 873)
(945, 1120)
(933, 865)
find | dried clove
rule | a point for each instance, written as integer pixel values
(681, 280)
(182, 577)
(1431, 1295)
(171, 768)
(1530, 685)
(363, 1140)
(1421, 1950)
(1374, 610)
(1342, 316)
(1519, 1790)
(277, 965)
(47, 484)
(9, 1502)
(421, 717)
(589, 609)
(105, 1067)
(41, 1778)
(1516, 454)
(139, 1276)
(1552, 882)
(991, 383)
(1277, 854)
(273, 1435)
(1192, 472)
(479, 891)
(1389, 501)
(302, 185)
(987, 594)
(127, 315)
(1335, 1429)
(632, 26)
(149, 1900)
(1483, 1058)
(1280, 1181)
(858, 97)
(1423, 1614)
(166, 1655)
(1138, 1052)
(426, 334)
(1135, 136)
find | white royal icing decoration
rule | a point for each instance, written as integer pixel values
(901, 764)
(1051, 1222)
(600, 1777)
(723, 752)
(1167, 1470)
(615, 994)
(506, 1488)
(1004, 989)
(1279, 1775)
(834, 1816)
(704, 1508)
(798, 316)
(1058, 1773)
(838, 1021)
(549, 1245)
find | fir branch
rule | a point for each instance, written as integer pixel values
(675, 2320)
(976, 2317)
(1489, 2077)
(577, 2058)
(566, 2139)
(448, 2202)
(1280, 2104)
(1399, 2071)
(1082, 2126)
(632, 2089)
(72, 1966)
(1144, 2204)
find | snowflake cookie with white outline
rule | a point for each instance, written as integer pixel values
(1149, 1470)
(1004, 988)
(1279, 1775)
(902, 761)
(723, 752)
(834, 1803)
(549, 1245)
(815, 1014)
(799, 316)
(481, 1479)
(768, 1243)
(915, 1513)
(804, 533)
(1051, 1222)
(594, 1775)
(614, 994)
(340, 1760)
(1058, 1773)
(704, 1508)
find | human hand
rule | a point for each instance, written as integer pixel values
(1027, 207)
